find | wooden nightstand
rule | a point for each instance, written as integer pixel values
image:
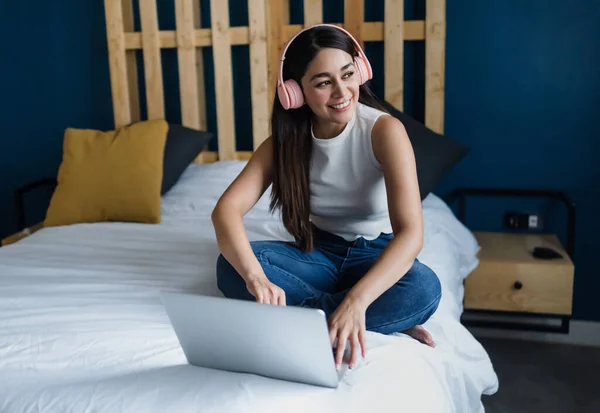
(510, 282)
(510, 279)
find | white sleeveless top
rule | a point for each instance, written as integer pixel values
(347, 190)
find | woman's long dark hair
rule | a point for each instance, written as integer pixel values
(292, 140)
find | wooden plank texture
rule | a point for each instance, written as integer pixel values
(223, 79)
(313, 12)
(372, 31)
(132, 77)
(152, 62)
(275, 42)
(202, 37)
(435, 54)
(354, 18)
(186, 55)
(394, 52)
(505, 259)
(200, 69)
(259, 71)
(211, 156)
(200, 76)
(117, 62)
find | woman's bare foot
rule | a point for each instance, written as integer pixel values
(419, 333)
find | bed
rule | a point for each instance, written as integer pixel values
(82, 327)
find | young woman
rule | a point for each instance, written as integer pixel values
(343, 176)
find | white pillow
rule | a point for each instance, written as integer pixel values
(200, 187)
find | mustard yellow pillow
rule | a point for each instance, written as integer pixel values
(110, 176)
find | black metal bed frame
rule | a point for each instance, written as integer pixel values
(19, 198)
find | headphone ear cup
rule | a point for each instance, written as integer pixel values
(284, 97)
(362, 69)
(296, 97)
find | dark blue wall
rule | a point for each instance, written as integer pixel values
(522, 91)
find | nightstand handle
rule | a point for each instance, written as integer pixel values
(518, 285)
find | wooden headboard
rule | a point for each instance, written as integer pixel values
(267, 33)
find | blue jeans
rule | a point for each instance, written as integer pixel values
(323, 277)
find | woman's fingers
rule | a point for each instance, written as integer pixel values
(363, 342)
(341, 347)
(268, 293)
(354, 349)
(332, 335)
(281, 298)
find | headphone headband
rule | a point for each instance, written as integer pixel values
(356, 44)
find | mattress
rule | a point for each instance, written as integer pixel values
(82, 328)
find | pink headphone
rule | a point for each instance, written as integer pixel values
(289, 92)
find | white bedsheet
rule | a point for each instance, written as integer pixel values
(82, 328)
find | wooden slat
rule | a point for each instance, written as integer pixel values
(152, 63)
(288, 31)
(313, 12)
(435, 53)
(200, 70)
(211, 156)
(394, 52)
(354, 17)
(285, 5)
(131, 57)
(205, 157)
(117, 63)
(200, 77)
(186, 56)
(372, 31)
(202, 37)
(259, 71)
(223, 79)
(275, 42)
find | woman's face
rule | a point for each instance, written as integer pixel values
(331, 86)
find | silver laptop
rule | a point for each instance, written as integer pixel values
(287, 343)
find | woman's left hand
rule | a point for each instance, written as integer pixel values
(348, 323)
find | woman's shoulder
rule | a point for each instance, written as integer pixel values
(369, 112)
(389, 135)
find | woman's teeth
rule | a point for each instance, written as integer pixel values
(341, 105)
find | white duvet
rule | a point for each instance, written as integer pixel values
(82, 328)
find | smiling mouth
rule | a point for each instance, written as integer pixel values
(341, 105)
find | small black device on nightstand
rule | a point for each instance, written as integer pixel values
(546, 253)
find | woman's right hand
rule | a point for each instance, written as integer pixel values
(265, 291)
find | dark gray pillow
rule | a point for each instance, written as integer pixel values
(182, 146)
(435, 154)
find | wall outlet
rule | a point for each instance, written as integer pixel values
(522, 220)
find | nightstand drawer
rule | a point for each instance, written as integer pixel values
(543, 289)
(508, 278)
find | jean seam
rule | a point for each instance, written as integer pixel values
(348, 253)
(428, 307)
(296, 260)
(307, 287)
